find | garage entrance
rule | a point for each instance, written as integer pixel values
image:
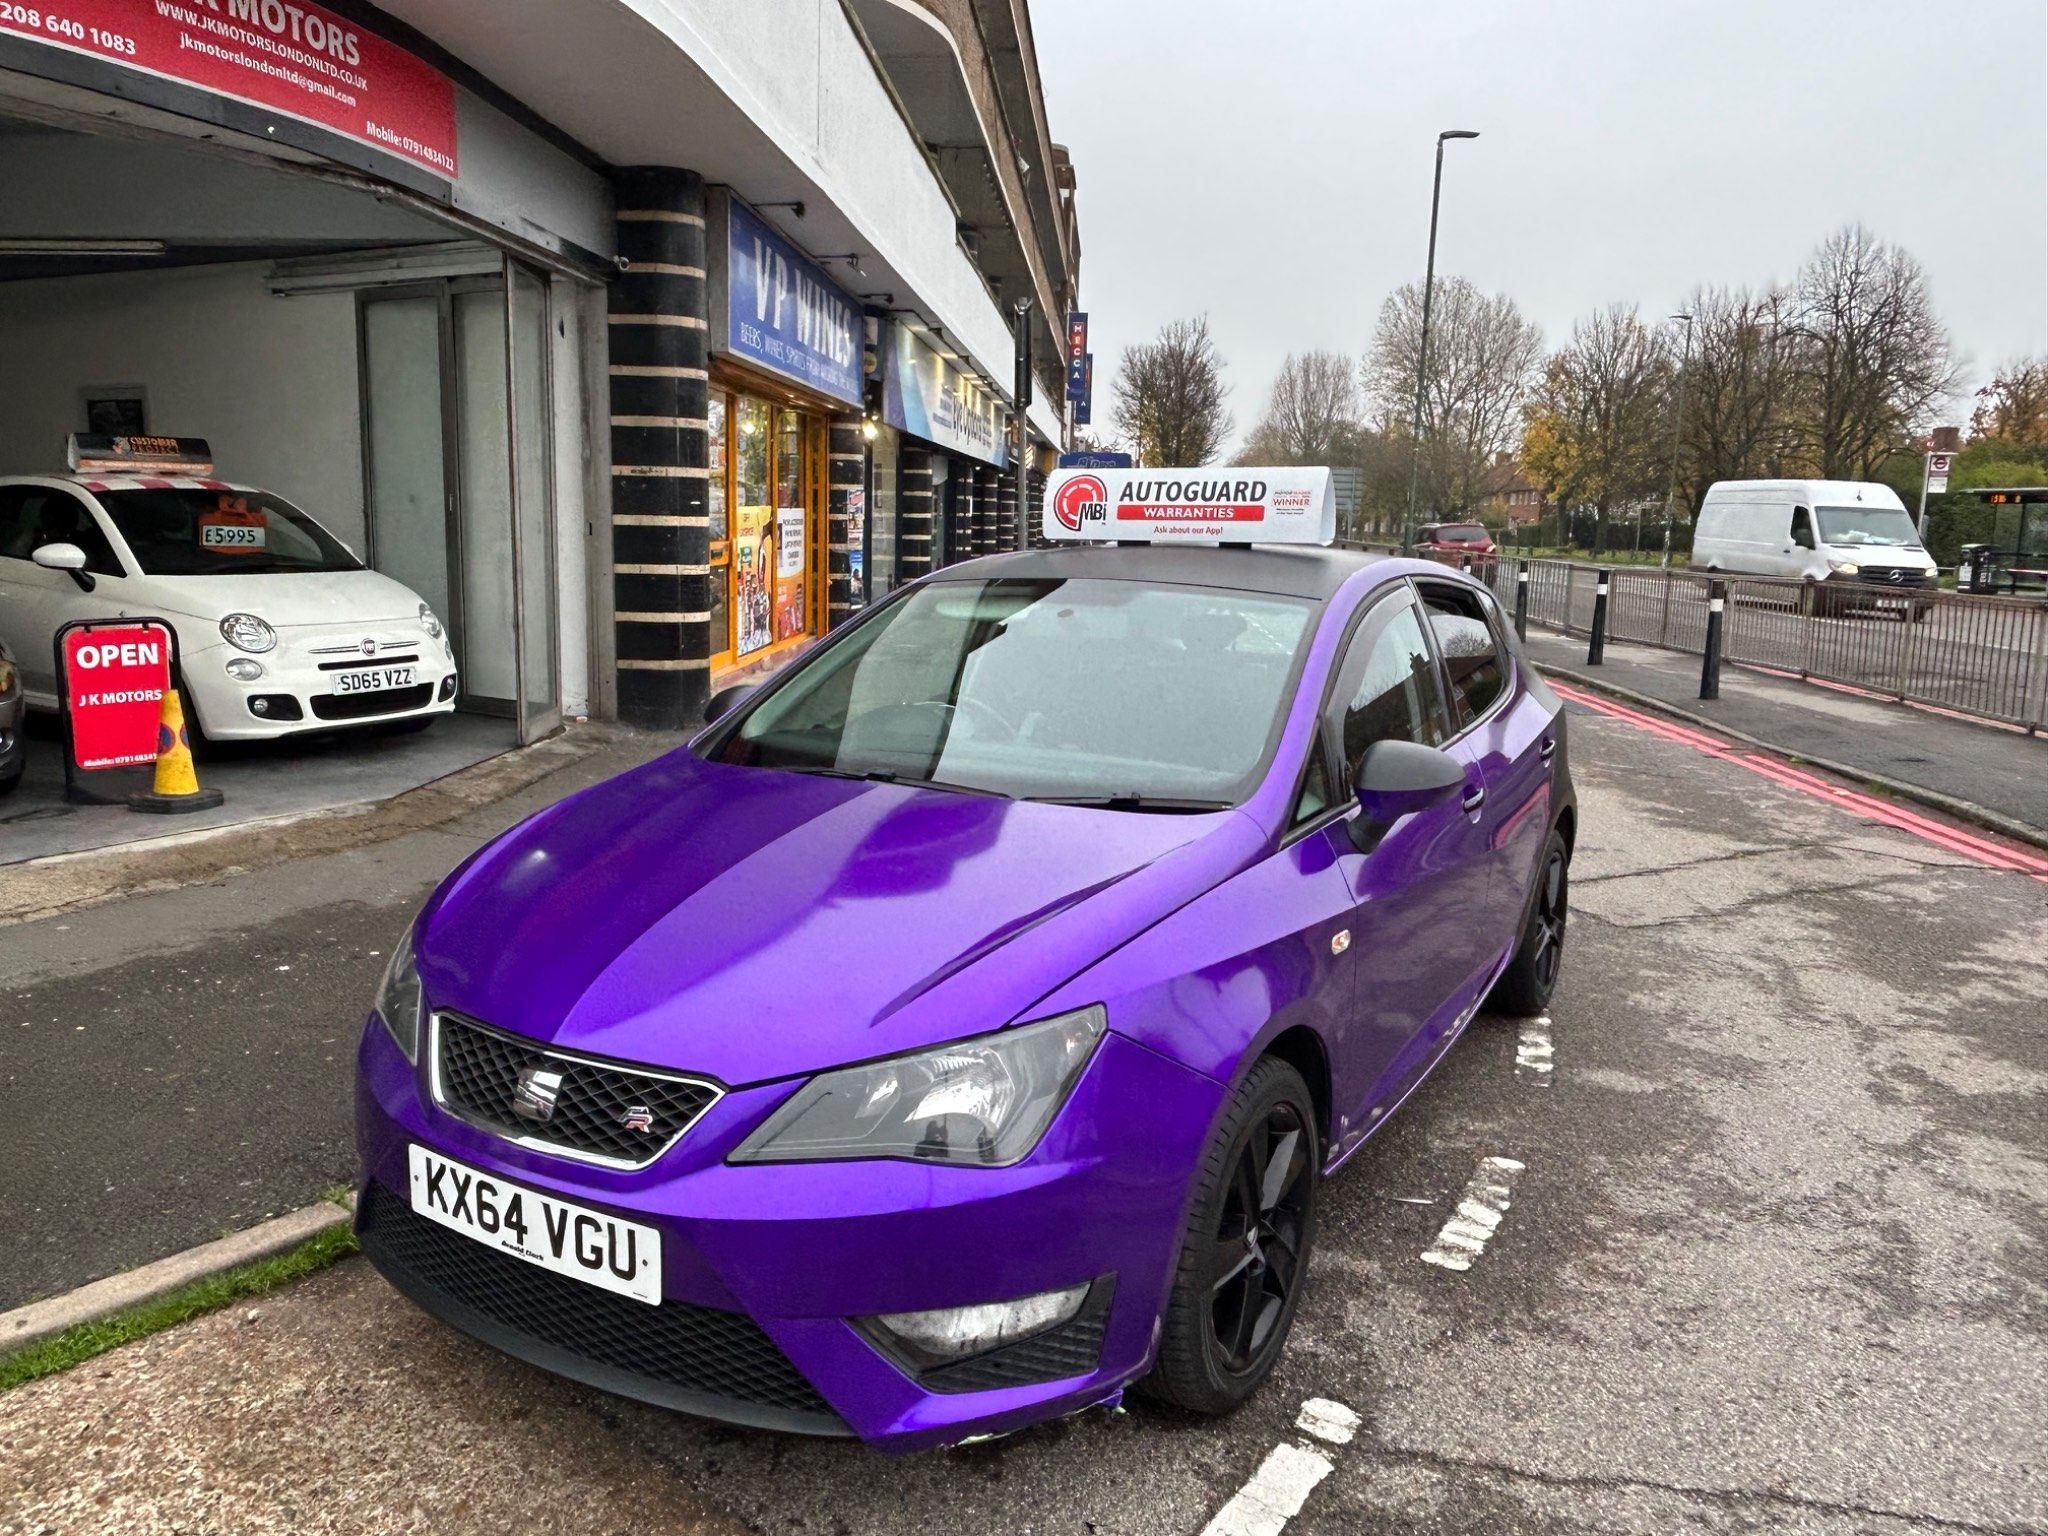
(398, 379)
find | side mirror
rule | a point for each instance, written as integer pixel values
(1397, 778)
(65, 557)
(726, 700)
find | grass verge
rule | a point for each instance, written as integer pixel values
(76, 1345)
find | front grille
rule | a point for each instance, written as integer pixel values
(695, 1352)
(357, 706)
(622, 1116)
(364, 661)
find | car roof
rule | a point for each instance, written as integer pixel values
(111, 482)
(1310, 571)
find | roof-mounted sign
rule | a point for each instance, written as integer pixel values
(1284, 505)
(90, 452)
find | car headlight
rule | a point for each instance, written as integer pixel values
(398, 999)
(1845, 567)
(246, 632)
(429, 623)
(980, 1103)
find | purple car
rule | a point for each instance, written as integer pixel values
(957, 1031)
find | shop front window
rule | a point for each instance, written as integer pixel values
(753, 536)
(721, 529)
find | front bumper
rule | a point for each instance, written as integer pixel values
(765, 1267)
(295, 694)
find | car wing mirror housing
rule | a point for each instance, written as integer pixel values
(1398, 778)
(65, 557)
(726, 700)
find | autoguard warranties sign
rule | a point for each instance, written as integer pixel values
(284, 55)
(115, 676)
(1286, 505)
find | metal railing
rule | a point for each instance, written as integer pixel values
(1975, 654)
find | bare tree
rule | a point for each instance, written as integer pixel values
(1170, 394)
(1874, 360)
(1483, 357)
(1742, 387)
(1313, 409)
(2013, 408)
(1598, 425)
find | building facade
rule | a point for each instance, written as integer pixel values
(644, 345)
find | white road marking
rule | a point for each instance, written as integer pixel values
(1534, 1055)
(1463, 1238)
(1263, 1506)
(1328, 1421)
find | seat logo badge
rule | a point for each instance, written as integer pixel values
(638, 1117)
(369, 647)
(1341, 942)
(534, 1098)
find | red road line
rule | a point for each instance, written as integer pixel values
(1979, 850)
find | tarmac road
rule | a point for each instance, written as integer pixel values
(1773, 1261)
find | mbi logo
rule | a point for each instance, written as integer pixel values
(1082, 499)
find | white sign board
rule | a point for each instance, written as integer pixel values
(1286, 505)
(1938, 465)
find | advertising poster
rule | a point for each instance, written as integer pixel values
(789, 572)
(300, 59)
(857, 542)
(753, 557)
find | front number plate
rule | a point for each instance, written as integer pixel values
(568, 1239)
(375, 679)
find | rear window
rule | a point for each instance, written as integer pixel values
(1461, 533)
(193, 532)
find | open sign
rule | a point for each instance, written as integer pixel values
(112, 676)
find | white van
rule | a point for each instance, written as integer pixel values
(1853, 540)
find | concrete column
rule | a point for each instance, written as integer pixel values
(659, 385)
(845, 471)
(913, 512)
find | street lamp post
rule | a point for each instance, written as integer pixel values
(1677, 432)
(1436, 193)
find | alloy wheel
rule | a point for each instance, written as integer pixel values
(1547, 922)
(1256, 1260)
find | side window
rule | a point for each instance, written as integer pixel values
(1802, 527)
(1386, 686)
(1474, 665)
(34, 515)
(1317, 793)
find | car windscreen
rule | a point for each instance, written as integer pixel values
(1082, 689)
(1884, 526)
(177, 531)
(1461, 533)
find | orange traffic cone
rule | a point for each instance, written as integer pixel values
(177, 782)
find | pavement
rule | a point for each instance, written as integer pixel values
(1948, 760)
(259, 780)
(1773, 1258)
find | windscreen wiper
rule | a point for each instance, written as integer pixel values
(883, 776)
(1131, 800)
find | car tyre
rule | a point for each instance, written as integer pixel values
(1244, 1253)
(10, 782)
(1525, 987)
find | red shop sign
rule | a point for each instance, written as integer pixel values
(114, 677)
(288, 56)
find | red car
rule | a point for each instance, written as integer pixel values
(1447, 541)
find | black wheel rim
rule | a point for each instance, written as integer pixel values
(1546, 923)
(1255, 1261)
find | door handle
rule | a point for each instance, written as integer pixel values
(1549, 748)
(1474, 798)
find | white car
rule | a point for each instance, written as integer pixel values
(280, 628)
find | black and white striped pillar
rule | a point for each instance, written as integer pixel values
(659, 384)
(1006, 511)
(913, 513)
(845, 472)
(1034, 503)
(984, 509)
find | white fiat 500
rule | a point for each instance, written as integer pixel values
(280, 628)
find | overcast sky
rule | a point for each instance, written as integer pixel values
(1268, 161)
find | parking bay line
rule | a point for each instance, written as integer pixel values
(1288, 1475)
(1535, 1056)
(1464, 1237)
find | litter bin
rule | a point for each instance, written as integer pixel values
(1975, 571)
